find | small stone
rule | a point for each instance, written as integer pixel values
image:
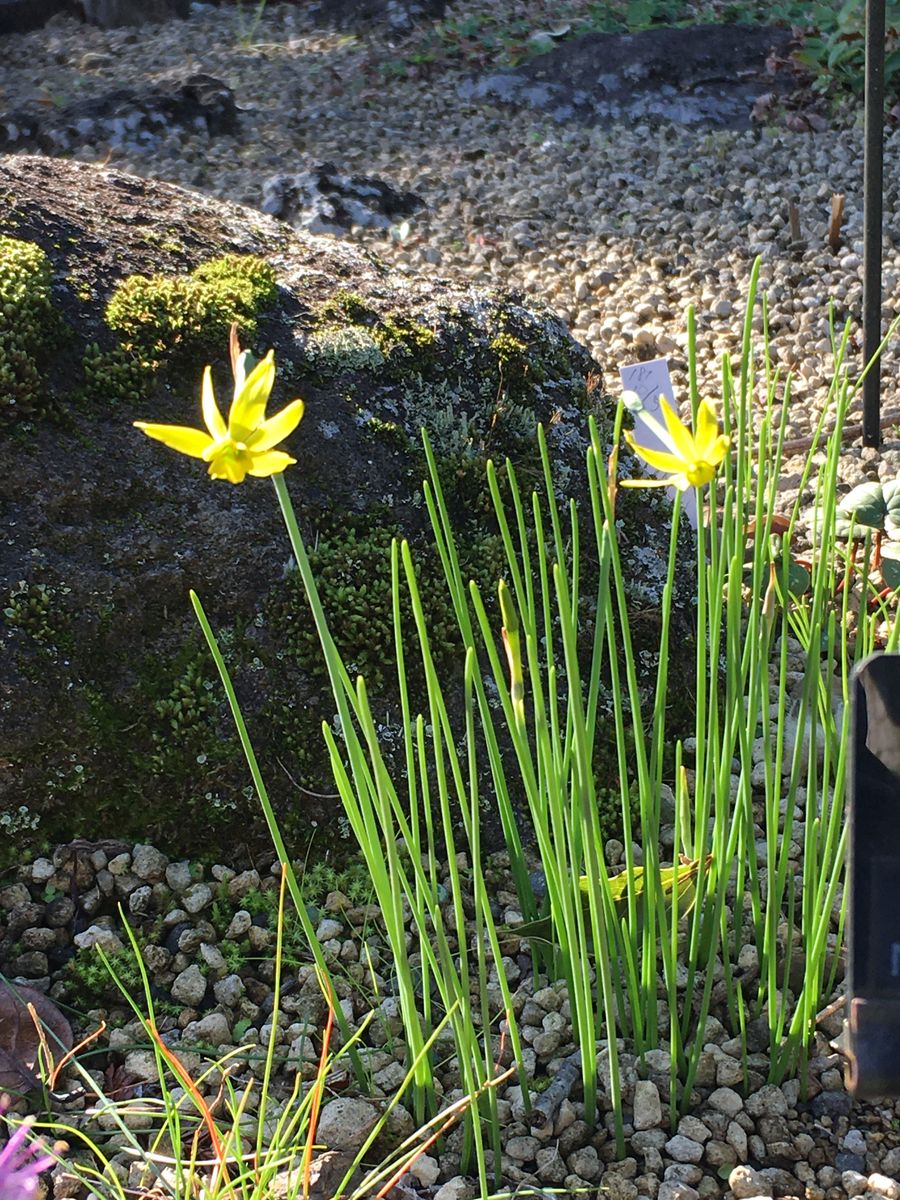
(426, 1170)
(189, 987)
(769, 1101)
(551, 1168)
(38, 939)
(745, 1183)
(156, 958)
(148, 863)
(229, 991)
(140, 900)
(585, 1163)
(722, 308)
(196, 898)
(240, 923)
(727, 1101)
(42, 871)
(119, 865)
(328, 928)
(546, 1044)
(647, 1105)
(213, 958)
(247, 881)
(211, 1030)
(854, 1141)
(345, 1123)
(684, 1173)
(883, 1185)
(142, 1064)
(854, 1183)
(522, 1149)
(684, 1149)
(178, 876)
(669, 1190)
(457, 1188)
(693, 1127)
(719, 1154)
(97, 935)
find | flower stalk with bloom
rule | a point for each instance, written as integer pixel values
(246, 445)
(22, 1161)
(692, 458)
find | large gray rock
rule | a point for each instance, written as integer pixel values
(110, 711)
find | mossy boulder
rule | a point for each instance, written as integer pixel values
(111, 717)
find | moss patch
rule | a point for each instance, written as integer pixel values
(175, 320)
(28, 325)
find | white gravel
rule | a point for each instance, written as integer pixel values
(617, 228)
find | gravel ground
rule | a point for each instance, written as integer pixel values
(617, 228)
(207, 937)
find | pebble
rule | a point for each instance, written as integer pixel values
(745, 1183)
(647, 1107)
(189, 986)
(684, 1149)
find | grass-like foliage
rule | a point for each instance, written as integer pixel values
(647, 954)
(615, 943)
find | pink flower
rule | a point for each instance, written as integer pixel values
(22, 1160)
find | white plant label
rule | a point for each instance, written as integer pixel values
(651, 380)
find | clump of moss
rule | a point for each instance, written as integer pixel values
(344, 306)
(164, 318)
(353, 573)
(27, 324)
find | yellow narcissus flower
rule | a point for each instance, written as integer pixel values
(692, 458)
(245, 446)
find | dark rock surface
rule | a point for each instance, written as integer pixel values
(322, 200)
(111, 13)
(125, 115)
(708, 75)
(18, 16)
(399, 15)
(111, 719)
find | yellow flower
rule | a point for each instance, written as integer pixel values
(245, 446)
(692, 459)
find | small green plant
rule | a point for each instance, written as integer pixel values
(35, 609)
(28, 323)
(162, 319)
(836, 53)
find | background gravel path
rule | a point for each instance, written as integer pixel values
(617, 228)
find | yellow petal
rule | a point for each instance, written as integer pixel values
(271, 462)
(719, 449)
(661, 459)
(178, 437)
(277, 428)
(648, 482)
(249, 406)
(682, 441)
(707, 429)
(211, 415)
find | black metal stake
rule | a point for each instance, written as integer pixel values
(872, 218)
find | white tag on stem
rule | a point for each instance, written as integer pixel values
(650, 380)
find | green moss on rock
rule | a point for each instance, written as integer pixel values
(28, 324)
(161, 319)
